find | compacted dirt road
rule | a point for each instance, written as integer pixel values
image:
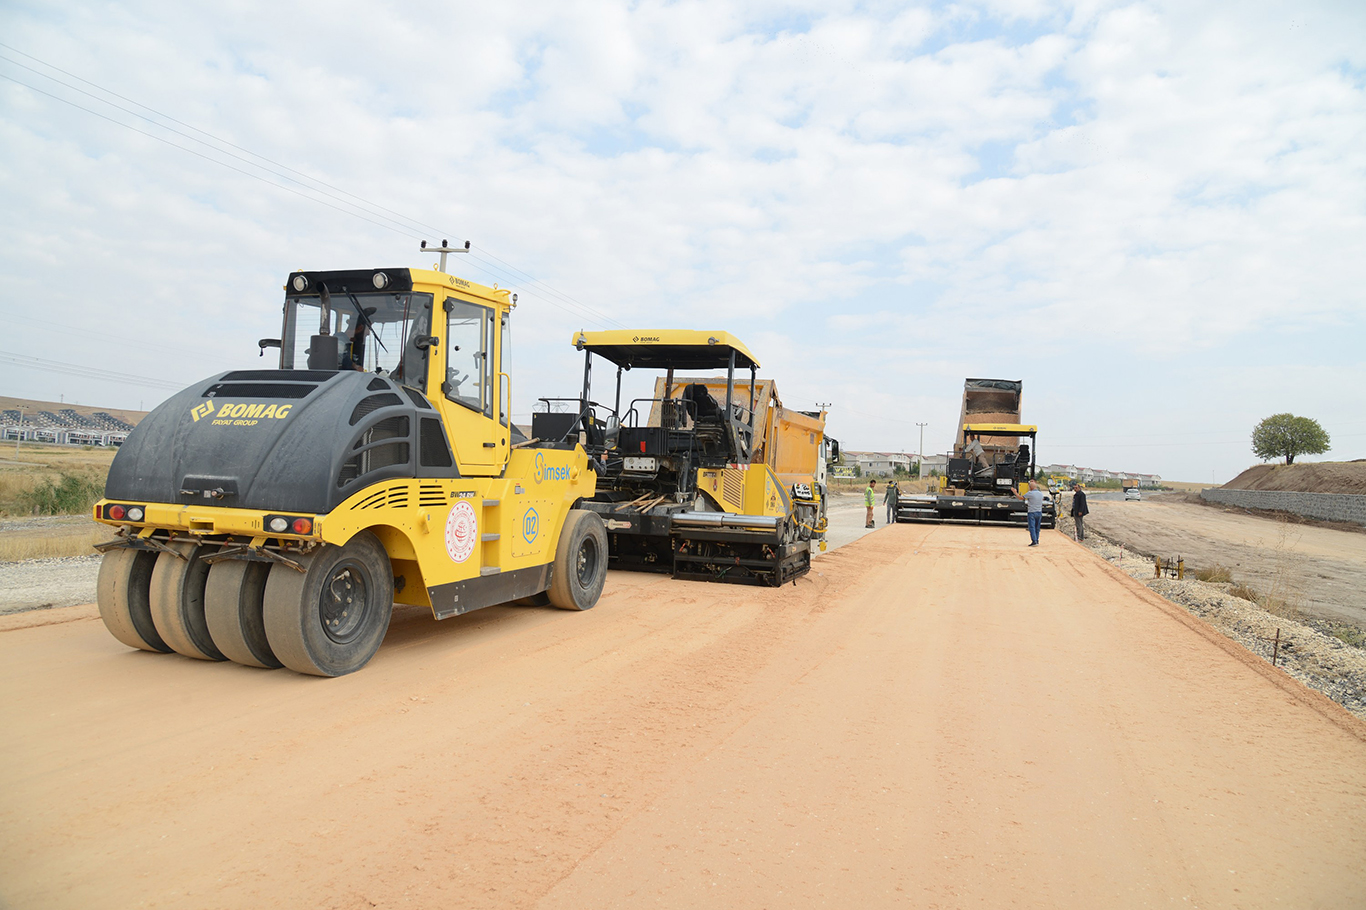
(1322, 570)
(934, 717)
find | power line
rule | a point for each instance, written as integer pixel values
(188, 126)
(61, 328)
(404, 225)
(205, 157)
(84, 372)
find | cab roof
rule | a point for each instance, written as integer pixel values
(662, 349)
(396, 281)
(1000, 429)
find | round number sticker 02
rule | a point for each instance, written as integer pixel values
(462, 529)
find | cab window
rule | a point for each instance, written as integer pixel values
(380, 340)
(505, 364)
(469, 367)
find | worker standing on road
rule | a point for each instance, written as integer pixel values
(868, 501)
(1033, 511)
(893, 492)
(1079, 509)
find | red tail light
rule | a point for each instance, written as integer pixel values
(117, 512)
(303, 526)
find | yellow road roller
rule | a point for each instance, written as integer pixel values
(274, 517)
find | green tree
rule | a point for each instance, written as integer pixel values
(1285, 436)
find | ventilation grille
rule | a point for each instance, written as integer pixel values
(374, 403)
(430, 494)
(377, 385)
(259, 390)
(733, 487)
(389, 428)
(395, 497)
(418, 398)
(435, 452)
(381, 456)
(278, 376)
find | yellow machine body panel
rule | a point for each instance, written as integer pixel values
(747, 489)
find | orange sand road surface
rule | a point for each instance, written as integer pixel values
(941, 717)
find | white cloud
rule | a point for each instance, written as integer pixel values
(887, 198)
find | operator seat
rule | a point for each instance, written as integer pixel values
(709, 425)
(705, 407)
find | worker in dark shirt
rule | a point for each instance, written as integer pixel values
(1079, 509)
(353, 350)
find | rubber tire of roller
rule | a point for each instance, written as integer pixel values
(176, 596)
(122, 590)
(573, 587)
(233, 605)
(293, 611)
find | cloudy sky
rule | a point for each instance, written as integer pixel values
(1153, 214)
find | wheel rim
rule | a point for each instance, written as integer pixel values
(586, 564)
(344, 602)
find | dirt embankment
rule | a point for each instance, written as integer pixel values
(1320, 477)
(1321, 570)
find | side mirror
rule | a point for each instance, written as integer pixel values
(267, 343)
(612, 431)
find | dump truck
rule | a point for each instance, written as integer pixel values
(992, 459)
(275, 516)
(709, 479)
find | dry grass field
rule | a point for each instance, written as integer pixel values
(39, 480)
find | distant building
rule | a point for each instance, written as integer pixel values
(879, 464)
(1097, 475)
(64, 427)
(928, 463)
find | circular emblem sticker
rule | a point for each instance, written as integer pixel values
(461, 530)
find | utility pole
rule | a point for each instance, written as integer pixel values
(21, 430)
(444, 249)
(922, 440)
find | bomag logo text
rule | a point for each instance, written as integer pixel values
(646, 339)
(242, 415)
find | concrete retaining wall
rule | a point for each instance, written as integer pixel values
(1327, 506)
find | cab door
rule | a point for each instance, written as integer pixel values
(470, 387)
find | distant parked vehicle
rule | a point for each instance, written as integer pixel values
(1133, 493)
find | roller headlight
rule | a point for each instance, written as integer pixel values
(300, 283)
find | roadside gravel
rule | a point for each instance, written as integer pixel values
(40, 584)
(1320, 661)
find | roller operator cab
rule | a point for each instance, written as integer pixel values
(710, 478)
(274, 517)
